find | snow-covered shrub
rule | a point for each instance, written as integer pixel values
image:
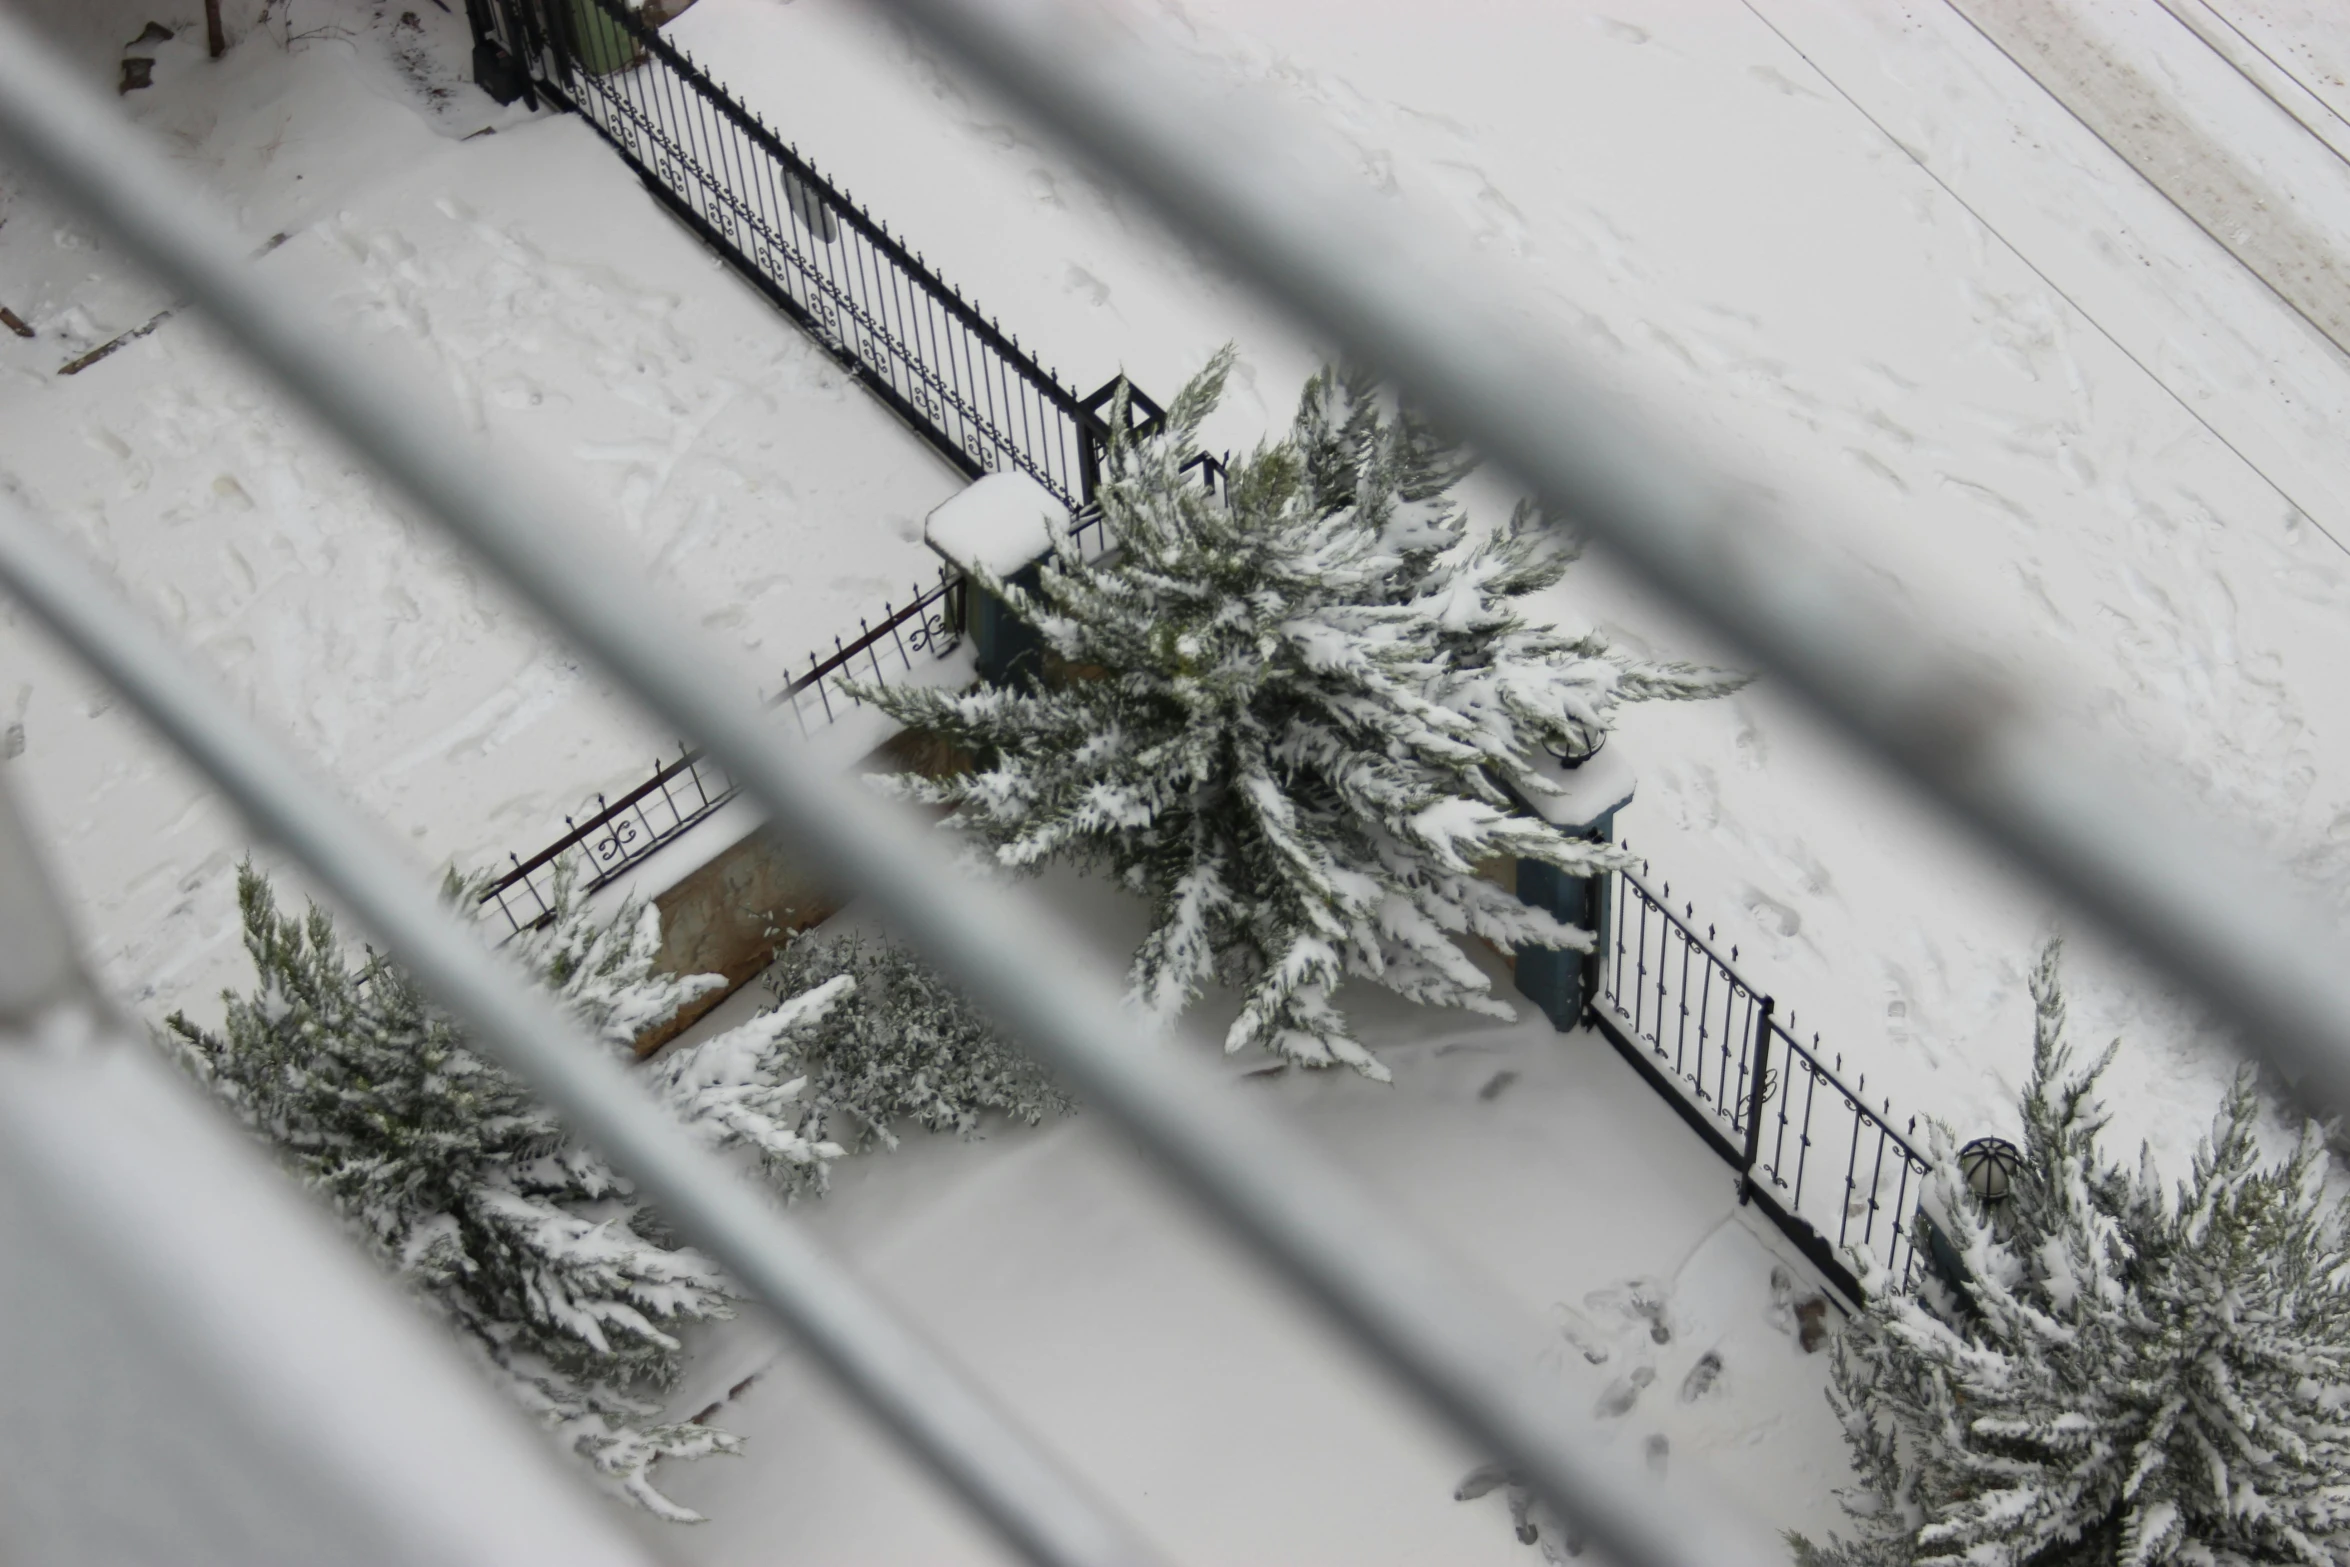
(904, 1047)
(2126, 1377)
(1285, 715)
(467, 1187)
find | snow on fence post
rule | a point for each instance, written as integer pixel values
(1001, 524)
(1591, 793)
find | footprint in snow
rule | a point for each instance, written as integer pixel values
(1754, 751)
(1623, 1393)
(1804, 1318)
(1637, 1300)
(1778, 918)
(1703, 1377)
(1576, 1329)
(1772, 77)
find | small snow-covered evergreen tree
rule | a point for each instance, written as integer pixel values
(2125, 1379)
(905, 1047)
(469, 1189)
(1288, 715)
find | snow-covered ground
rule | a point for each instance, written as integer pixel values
(2303, 40)
(510, 262)
(1855, 249)
(1859, 252)
(1231, 1425)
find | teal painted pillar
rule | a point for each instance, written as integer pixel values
(1002, 523)
(1563, 983)
(1004, 648)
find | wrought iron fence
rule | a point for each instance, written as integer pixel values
(953, 374)
(1827, 1167)
(932, 624)
(620, 833)
(615, 836)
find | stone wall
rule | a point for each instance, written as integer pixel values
(732, 916)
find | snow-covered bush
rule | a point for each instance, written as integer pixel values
(1285, 714)
(2124, 1377)
(467, 1187)
(904, 1047)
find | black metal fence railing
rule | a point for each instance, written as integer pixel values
(615, 836)
(954, 376)
(1828, 1168)
(621, 833)
(950, 372)
(931, 624)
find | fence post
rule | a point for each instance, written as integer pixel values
(1002, 524)
(1757, 1090)
(495, 70)
(1563, 984)
(1093, 437)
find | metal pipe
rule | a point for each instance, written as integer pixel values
(171, 1308)
(1459, 1345)
(924, 1398)
(1472, 346)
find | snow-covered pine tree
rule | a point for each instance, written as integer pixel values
(905, 1047)
(468, 1189)
(2125, 1379)
(1286, 714)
